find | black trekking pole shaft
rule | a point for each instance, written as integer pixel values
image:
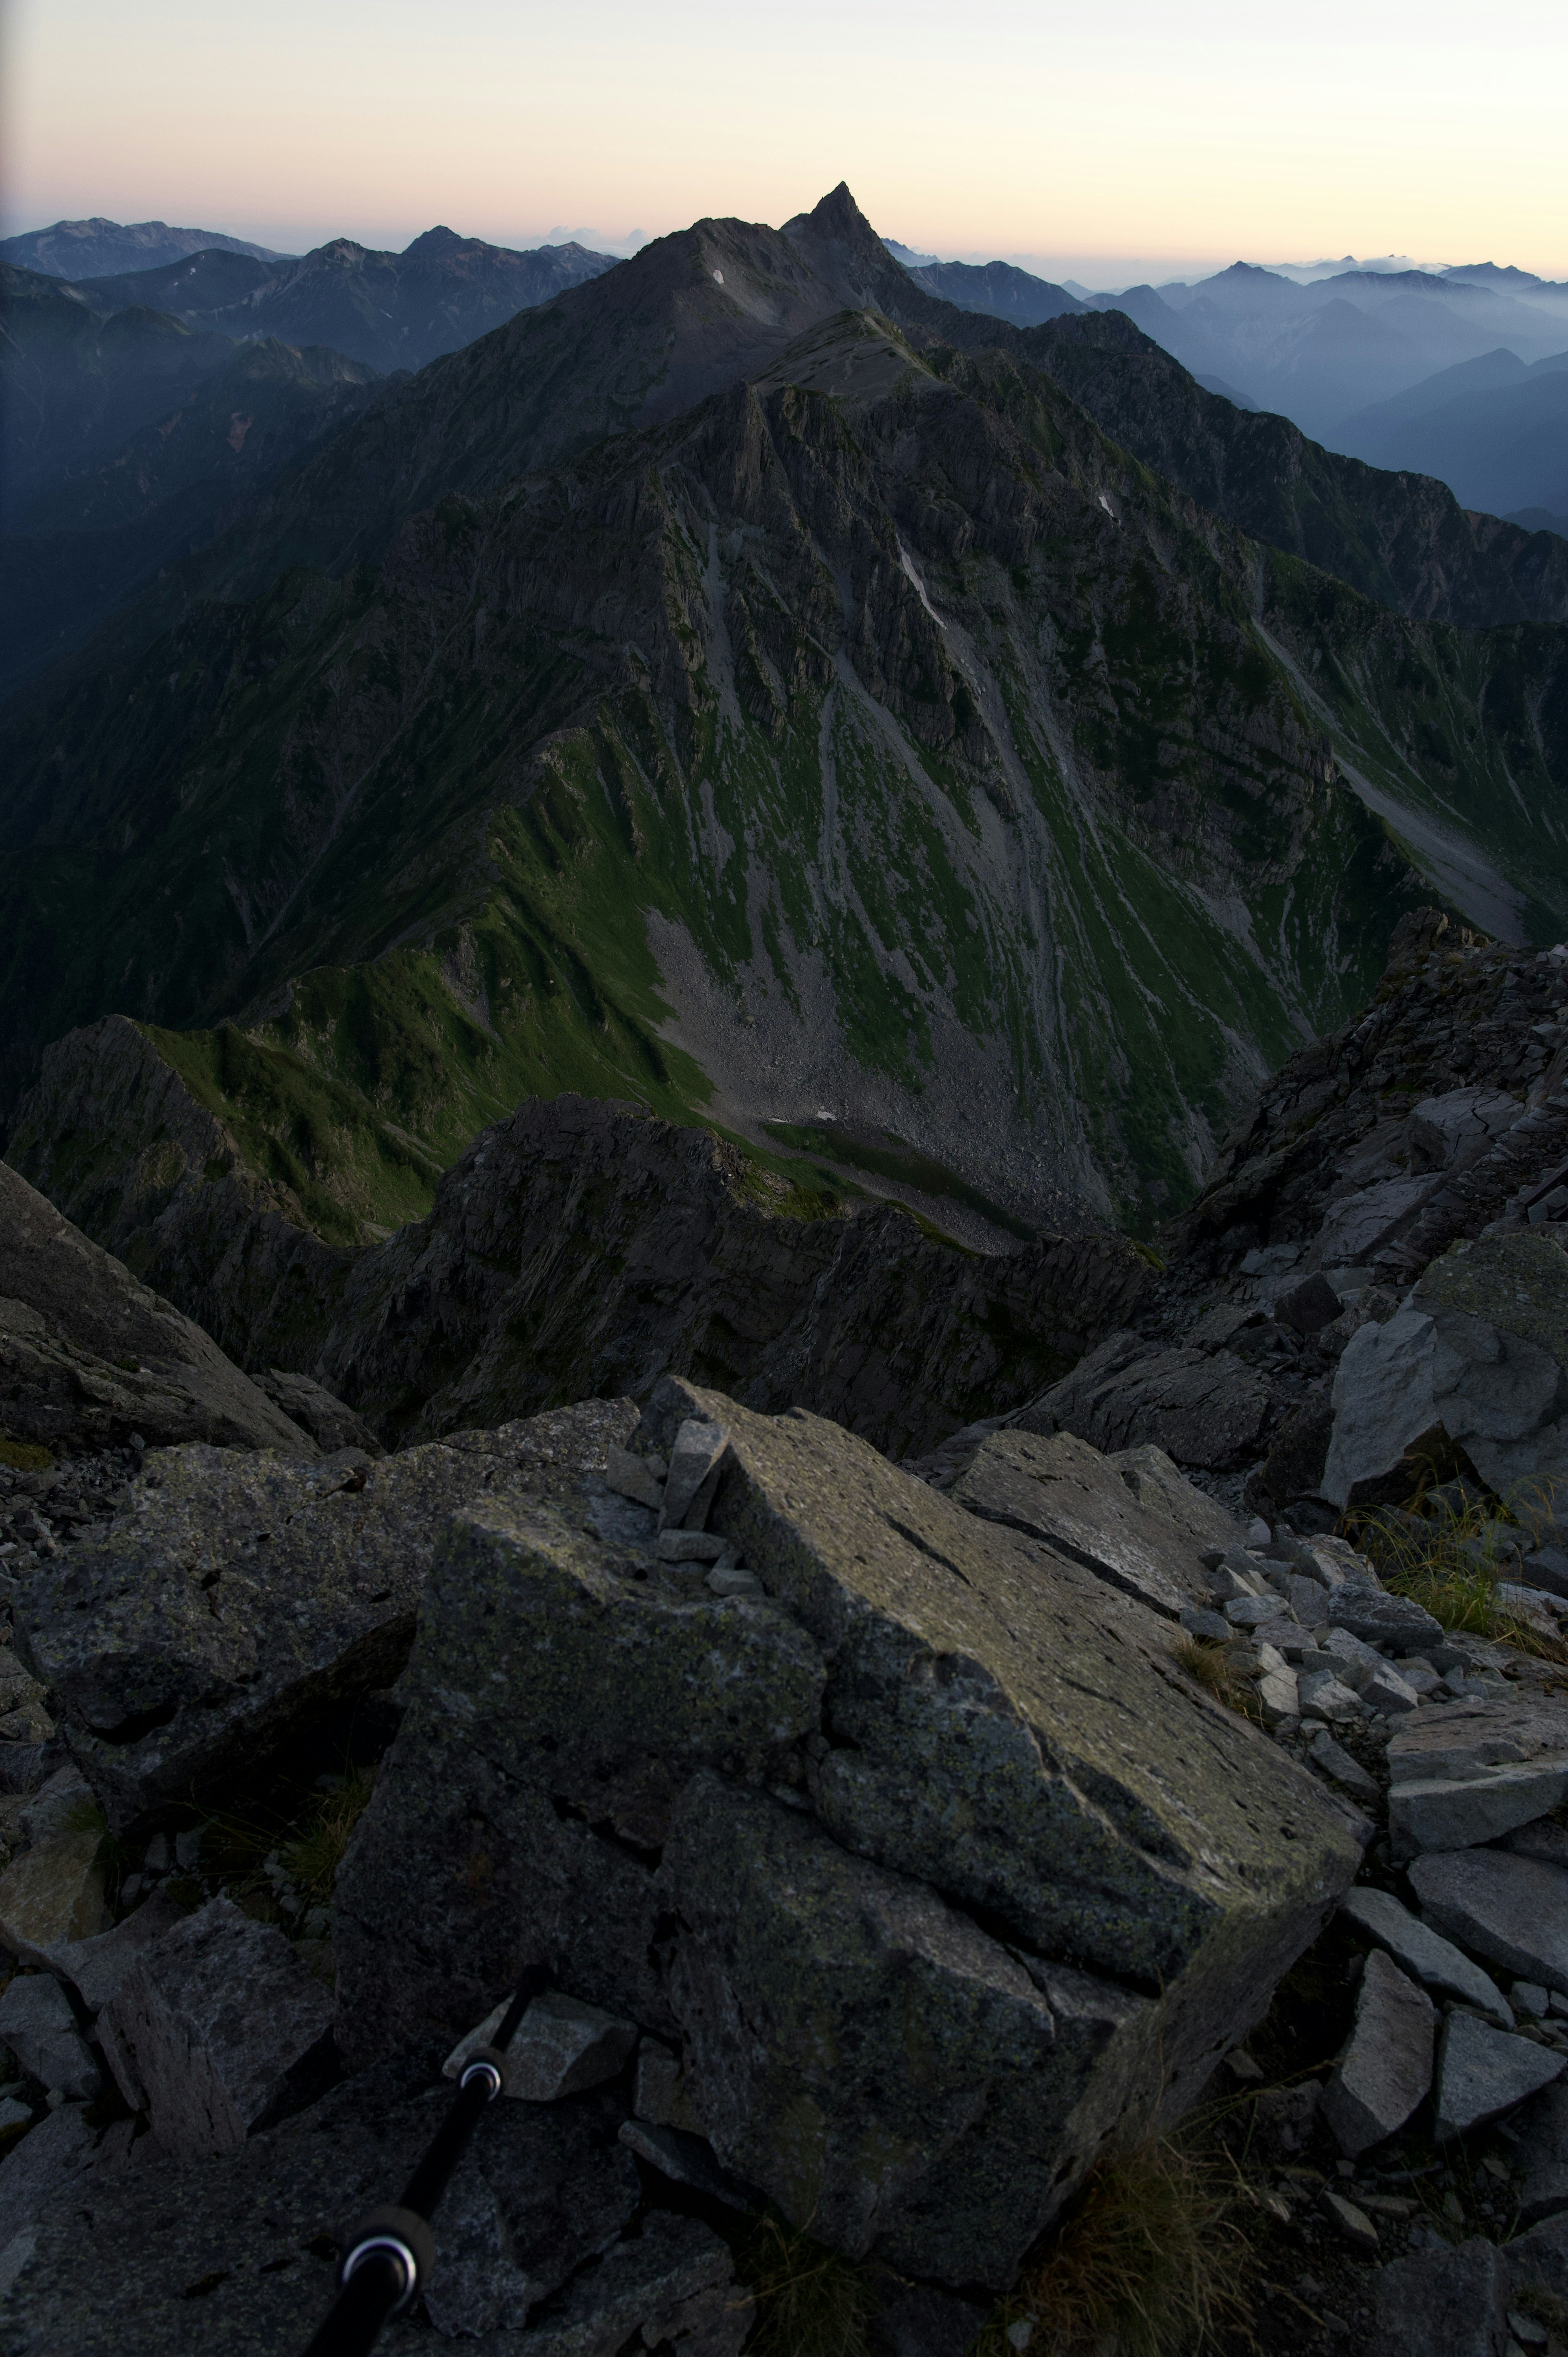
(390, 2254)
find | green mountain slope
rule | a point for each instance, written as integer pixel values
(877, 739)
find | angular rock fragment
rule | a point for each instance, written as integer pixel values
(1482, 2073)
(1158, 1483)
(673, 2289)
(1203, 1410)
(95, 1967)
(1336, 1762)
(694, 1455)
(37, 2170)
(633, 1477)
(238, 1594)
(1512, 1911)
(560, 2047)
(694, 1811)
(1063, 1491)
(219, 2030)
(1370, 1612)
(1323, 1696)
(1539, 2138)
(1423, 1952)
(1447, 2302)
(688, 2160)
(1386, 2067)
(1352, 2224)
(307, 1404)
(53, 1893)
(1445, 1813)
(38, 2026)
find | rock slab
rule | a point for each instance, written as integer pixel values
(1386, 2067)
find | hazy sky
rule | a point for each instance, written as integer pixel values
(1122, 129)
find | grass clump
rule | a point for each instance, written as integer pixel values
(1441, 1551)
(313, 1857)
(1214, 1670)
(24, 1456)
(1153, 2261)
(810, 2302)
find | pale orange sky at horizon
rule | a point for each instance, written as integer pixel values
(1189, 137)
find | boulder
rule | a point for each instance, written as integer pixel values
(1201, 1409)
(1500, 1312)
(1512, 1911)
(234, 2252)
(1538, 2141)
(1447, 2302)
(1336, 1762)
(1484, 2072)
(560, 2047)
(314, 1409)
(88, 1356)
(1063, 1491)
(237, 1596)
(1440, 1813)
(769, 1829)
(53, 1893)
(95, 1967)
(1385, 2069)
(38, 2026)
(217, 2030)
(1370, 1612)
(1158, 1483)
(1423, 1952)
(1473, 1771)
(1382, 1402)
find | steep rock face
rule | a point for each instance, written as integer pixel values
(582, 1248)
(1401, 539)
(88, 1356)
(772, 1824)
(836, 746)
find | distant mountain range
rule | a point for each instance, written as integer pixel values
(1494, 429)
(87, 249)
(748, 684)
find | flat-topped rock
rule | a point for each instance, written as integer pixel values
(1063, 1491)
(1482, 2073)
(795, 1808)
(1201, 1409)
(1386, 2067)
(1423, 1952)
(238, 1594)
(1512, 1911)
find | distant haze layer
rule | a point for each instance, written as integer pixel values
(1418, 128)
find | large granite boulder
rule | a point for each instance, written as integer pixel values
(239, 1596)
(1480, 1354)
(88, 1356)
(1206, 1408)
(906, 1782)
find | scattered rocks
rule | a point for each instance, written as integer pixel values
(217, 2030)
(1386, 2069)
(1512, 1911)
(1482, 2073)
(1422, 1951)
(1336, 1762)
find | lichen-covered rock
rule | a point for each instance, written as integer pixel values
(54, 1892)
(754, 1822)
(88, 1356)
(236, 1596)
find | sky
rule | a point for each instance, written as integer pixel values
(1122, 140)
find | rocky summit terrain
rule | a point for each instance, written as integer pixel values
(955, 1735)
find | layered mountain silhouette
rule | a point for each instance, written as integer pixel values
(749, 685)
(86, 249)
(1494, 429)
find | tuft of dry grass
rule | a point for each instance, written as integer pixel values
(24, 1456)
(1426, 1550)
(810, 2302)
(313, 1857)
(1213, 1669)
(1152, 2262)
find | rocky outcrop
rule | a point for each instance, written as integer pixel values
(89, 1356)
(237, 1597)
(915, 1758)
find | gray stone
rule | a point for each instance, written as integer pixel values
(673, 2289)
(1212, 1625)
(1356, 1225)
(687, 2158)
(1323, 1696)
(1336, 1762)
(219, 2030)
(238, 1595)
(1546, 1840)
(65, 1804)
(1538, 2139)
(694, 1456)
(633, 1477)
(583, 1779)
(1443, 1812)
(1531, 1999)
(1352, 2224)
(1279, 1697)
(38, 2026)
(1447, 2302)
(1423, 1952)
(309, 1405)
(560, 2047)
(1512, 1911)
(1385, 2069)
(1484, 2072)
(1309, 1306)
(689, 1546)
(1382, 1402)
(1158, 1483)
(1254, 1611)
(96, 1967)
(53, 1893)
(89, 1356)
(1500, 1308)
(41, 2166)
(659, 2093)
(1204, 1410)
(231, 2254)
(1470, 1739)
(1063, 1491)
(1368, 1611)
